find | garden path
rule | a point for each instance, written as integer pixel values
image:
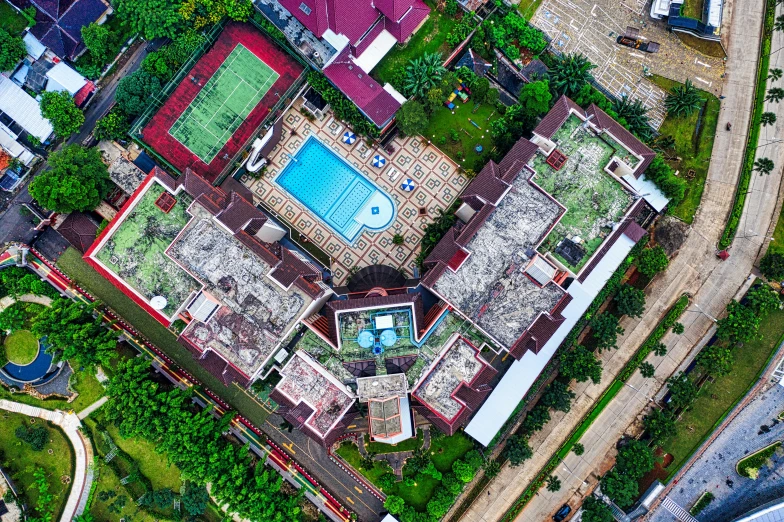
(92, 407)
(70, 424)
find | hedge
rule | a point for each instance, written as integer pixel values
(343, 108)
(754, 130)
(647, 347)
(702, 502)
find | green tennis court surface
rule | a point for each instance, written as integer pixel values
(224, 102)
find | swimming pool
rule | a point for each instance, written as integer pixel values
(336, 192)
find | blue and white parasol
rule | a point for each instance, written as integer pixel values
(408, 185)
(349, 137)
(378, 161)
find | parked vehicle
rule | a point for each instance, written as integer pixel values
(631, 39)
(562, 513)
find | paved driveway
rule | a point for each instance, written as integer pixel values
(712, 470)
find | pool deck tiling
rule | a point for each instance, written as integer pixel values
(436, 177)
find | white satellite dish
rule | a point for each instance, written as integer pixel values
(158, 302)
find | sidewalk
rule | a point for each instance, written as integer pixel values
(695, 270)
(70, 424)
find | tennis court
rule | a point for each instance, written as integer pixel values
(221, 106)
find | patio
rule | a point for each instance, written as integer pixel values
(435, 178)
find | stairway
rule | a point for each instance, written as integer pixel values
(677, 511)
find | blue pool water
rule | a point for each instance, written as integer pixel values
(33, 371)
(337, 193)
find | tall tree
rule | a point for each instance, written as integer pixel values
(201, 13)
(636, 116)
(659, 426)
(517, 450)
(683, 100)
(635, 459)
(98, 41)
(716, 360)
(581, 364)
(652, 261)
(595, 510)
(113, 126)
(683, 391)
(558, 396)
(59, 108)
(630, 301)
(12, 50)
(569, 73)
(76, 181)
(423, 73)
(775, 74)
(535, 97)
(71, 328)
(767, 118)
(134, 91)
(620, 487)
(152, 18)
(779, 23)
(740, 324)
(762, 299)
(763, 165)
(411, 118)
(605, 330)
(775, 94)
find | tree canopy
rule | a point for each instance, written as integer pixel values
(558, 396)
(152, 18)
(12, 50)
(683, 100)
(76, 181)
(569, 73)
(517, 450)
(620, 487)
(772, 266)
(71, 327)
(411, 118)
(98, 40)
(605, 330)
(630, 301)
(133, 91)
(422, 74)
(740, 325)
(581, 364)
(113, 126)
(59, 108)
(595, 510)
(536, 96)
(653, 260)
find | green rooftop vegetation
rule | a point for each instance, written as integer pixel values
(594, 200)
(136, 249)
(21, 347)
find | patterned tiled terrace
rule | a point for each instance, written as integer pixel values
(436, 177)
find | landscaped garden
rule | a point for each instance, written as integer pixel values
(39, 459)
(461, 131)
(11, 20)
(21, 347)
(431, 478)
(430, 38)
(693, 137)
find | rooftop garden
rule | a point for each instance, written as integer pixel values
(594, 200)
(136, 249)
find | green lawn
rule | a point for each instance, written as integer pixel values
(776, 246)
(82, 382)
(21, 347)
(443, 121)
(692, 9)
(444, 451)
(11, 20)
(153, 465)
(18, 459)
(528, 8)
(407, 445)
(349, 452)
(431, 37)
(694, 152)
(718, 397)
(72, 264)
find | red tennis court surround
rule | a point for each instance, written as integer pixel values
(156, 132)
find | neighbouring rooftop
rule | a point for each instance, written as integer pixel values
(491, 286)
(382, 386)
(256, 311)
(305, 381)
(460, 364)
(136, 249)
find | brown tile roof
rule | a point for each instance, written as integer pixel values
(557, 116)
(518, 156)
(79, 230)
(238, 213)
(487, 185)
(540, 331)
(603, 120)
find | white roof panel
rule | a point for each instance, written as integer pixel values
(9, 143)
(34, 48)
(66, 79)
(521, 374)
(23, 109)
(650, 192)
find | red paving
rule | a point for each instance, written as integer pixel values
(156, 132)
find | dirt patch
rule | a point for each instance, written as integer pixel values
(670, 233)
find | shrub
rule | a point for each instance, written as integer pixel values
(578, 449)
(630, 301)
(652, 261)
(749, 467)
(343, 108)
(701, 503)
(517, 450)
(35, 437)
(605, 330)
(772, 266)
(664, 177)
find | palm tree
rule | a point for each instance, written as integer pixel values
(636, 116)
(779, 25)
(775, 74)
(768, 118)
(569, 73)
(763, 166)
(775, 94)
(665, 144)
(683, 100)
(423, 73)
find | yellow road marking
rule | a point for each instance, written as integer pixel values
(290, 447)
(349, 499)
(358, 490)
(352, 426)
(505, 356)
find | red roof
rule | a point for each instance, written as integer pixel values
(457, 259)
(82, 94)
(374, 102)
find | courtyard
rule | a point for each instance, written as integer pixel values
(591, 28)
(437, 182)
